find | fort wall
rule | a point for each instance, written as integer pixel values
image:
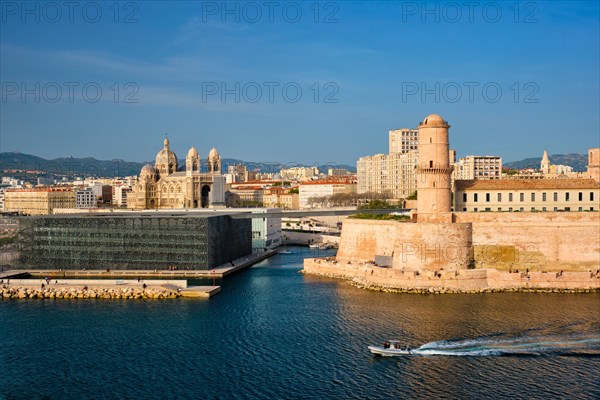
(550, 241)
(412, 246)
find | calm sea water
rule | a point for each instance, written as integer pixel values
(273, 333)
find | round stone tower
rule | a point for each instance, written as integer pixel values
(434, 171)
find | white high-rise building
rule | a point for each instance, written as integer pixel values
(403, 140)
(393, 173)
(478, 167)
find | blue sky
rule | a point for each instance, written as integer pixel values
(511, 81)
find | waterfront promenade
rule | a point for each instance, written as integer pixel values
(218, 272)
(113, 284)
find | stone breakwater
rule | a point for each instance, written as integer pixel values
(362, 284)
(370, 277)
(8, 292)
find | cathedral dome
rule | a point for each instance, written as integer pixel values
(147, 170)
(166, 160)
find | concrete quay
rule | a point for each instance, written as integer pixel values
(368, 276)
(9, 274)
(204, 292)
(80, 284)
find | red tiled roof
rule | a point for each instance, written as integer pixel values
(45, 189)
(248, 188)
(328, 183)
(525, 184)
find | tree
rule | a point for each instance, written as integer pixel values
(375, 205)
(412, 196)
(232, 200)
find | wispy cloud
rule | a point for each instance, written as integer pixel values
(102, 63)
(194, 30)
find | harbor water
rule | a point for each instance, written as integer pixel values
(274, 333)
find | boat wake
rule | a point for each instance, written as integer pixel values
(520, 346)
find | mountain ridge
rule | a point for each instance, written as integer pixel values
(90, 166)
(575, 160)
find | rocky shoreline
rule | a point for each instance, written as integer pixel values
(361, 283)
(8, 292)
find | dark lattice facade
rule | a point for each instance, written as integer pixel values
(144, 242)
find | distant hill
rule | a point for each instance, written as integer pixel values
(68, 166)
(577, 161)
(71, 166)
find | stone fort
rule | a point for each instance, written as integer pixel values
(437, 239)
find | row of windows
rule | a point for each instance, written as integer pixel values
(531, 209)
(532, 197)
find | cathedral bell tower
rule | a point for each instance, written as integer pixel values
(192, 162)
(214, 162)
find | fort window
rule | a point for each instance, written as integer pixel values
(532, 196)
(555, 196)
(430, 164)
(555, 208)
(475, 198)
(591, 196)
(521, 196)
(499, 197)
(499, 208)
(475, 209)
(544, 196)
(510, 197)
(580, 208)
(580, 196)
(464, 208)
(591, 208)
(567, 196)
(465, 197)
(567, 208)
(543, 208)
(521, 209)
(509, 208)
(487, 197)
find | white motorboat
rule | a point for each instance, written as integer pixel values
(391, 348)
(314, 246)
(285, 252)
